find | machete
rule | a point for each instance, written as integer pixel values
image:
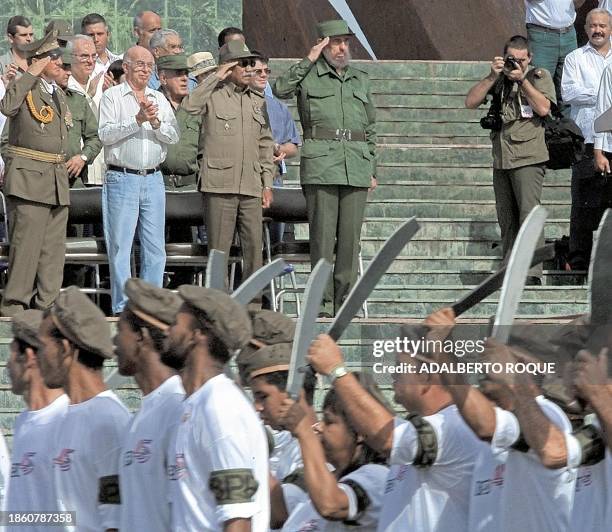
(245, 293)
(517, 271)
(600, 272)
(305, 328)
(216, 270)
(368, 281)
(494, 281)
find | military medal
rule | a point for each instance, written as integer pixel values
(68, 118)
(227, 126)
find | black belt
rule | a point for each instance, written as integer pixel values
(125, 170)
(323, 133)
(550, 30)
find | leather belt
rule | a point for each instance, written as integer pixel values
(323, 133)
(550, 30)
(35, 155)
(125, 170)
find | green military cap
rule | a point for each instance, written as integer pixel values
(26, 325)
(41, 47)
(333, 28)
(228, 319)
(268, 328)
(82, 322)
(234, 50)
(156, 306)
(63, 29)
(172, 62)
(67, 57)
(268, 359)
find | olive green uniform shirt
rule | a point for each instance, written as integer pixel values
(236, 145)
(84, 127)
(521, 140)
(328, 100)
(27, 179)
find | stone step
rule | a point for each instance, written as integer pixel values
(426, 129)
(417, 86)
(438, 154)
(391, 138)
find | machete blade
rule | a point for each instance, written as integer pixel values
(600, 272)
(216, 270)
(245, 293)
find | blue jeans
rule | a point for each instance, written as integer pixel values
(130, 201)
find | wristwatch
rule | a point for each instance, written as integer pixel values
(336, 373)
(83, 157)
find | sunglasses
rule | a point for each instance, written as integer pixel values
(246, 62)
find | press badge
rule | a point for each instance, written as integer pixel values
(526, 111)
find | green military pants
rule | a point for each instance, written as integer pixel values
(223, 213)
(335, 214)
(36, 256)
(517, 192)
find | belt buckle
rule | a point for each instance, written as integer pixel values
(343, 134)
(142, 173)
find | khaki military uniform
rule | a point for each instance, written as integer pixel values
(235, 152)
(38, 196)
(519, 158)
(337, 162)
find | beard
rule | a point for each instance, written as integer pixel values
(342, 63)
(175, 355)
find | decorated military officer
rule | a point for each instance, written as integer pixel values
(338, 162)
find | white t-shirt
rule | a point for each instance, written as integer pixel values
(219, 432)
(544, 496)
(550, 13)
(287, 455)
(363, 511)
(605, 4)
(31, 480)
(434, 498)
(87, 449)
(142, 471)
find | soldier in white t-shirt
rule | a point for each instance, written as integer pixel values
(431, 453)
(221, 450)
(139, 342)
(31, 475)
(75, 341)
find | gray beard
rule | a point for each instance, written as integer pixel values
(338, 64)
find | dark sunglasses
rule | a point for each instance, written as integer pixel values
(246, 62)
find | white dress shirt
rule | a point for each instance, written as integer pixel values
(2, 122)
(550, 13)
(126, 143)
(582, 73)
(603, 141)
(605, 4)
(103, 67)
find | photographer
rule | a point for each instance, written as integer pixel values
(522, 97)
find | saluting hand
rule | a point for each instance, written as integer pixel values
(315, 51)
(224, 70)
(324, 354)
(37, 67)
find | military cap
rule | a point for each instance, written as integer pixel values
(172, 62)
(228, 319)
(201, 62)
(156, 306)
(67, 57)
(26, 325)
(234, 50)
(268, 359)
(333, 28)
(63, 29)
(268, 328)
(41, 47)
(82, 322)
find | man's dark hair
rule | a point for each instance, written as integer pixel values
(116, 69)
(216, 347)
(518, 42)
(226, 32)
(92, 18)
(261, 56)
(17, 20)
(22, 346)
(279, 379)
(136, 324)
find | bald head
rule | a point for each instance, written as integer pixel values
(138, 63)
(146, 23)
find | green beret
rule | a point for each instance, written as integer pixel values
(228, 319)
(234, 50)
(156, 306)
(82, 322)
(26, 325)
(265, 360)
(172, 62)
(333, 28)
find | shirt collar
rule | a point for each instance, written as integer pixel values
(49, 87)
(589, 47)
(126, 89)
(323, 67)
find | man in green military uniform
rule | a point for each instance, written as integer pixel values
(525, 95)
(36, 179)
(235, 151)
(338, 161)
(83, 141)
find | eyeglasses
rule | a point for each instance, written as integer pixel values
(66, 66)
(246, 63)
(141, 65)
(83, 58)
(262, 71)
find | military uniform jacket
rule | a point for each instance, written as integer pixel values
(181, 158)
(37, 181)
(84, 127)
(236, 145)
(327, 100)
(521, 140)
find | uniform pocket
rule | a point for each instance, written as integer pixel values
(310, 150)
(226, 122)
(323, 104)
(219, 172)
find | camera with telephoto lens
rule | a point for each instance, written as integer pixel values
(510, 63)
